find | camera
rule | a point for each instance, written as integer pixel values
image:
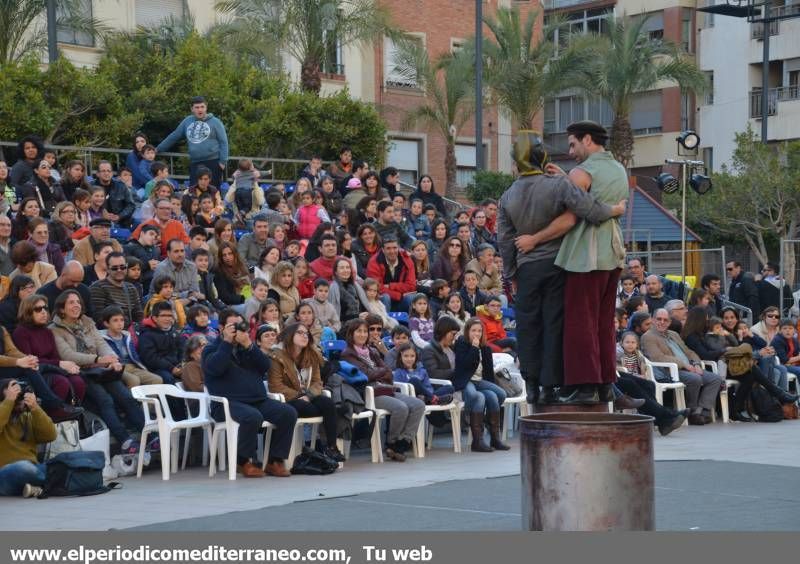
(243, 326)
(26, 389)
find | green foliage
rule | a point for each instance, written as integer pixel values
(488, 184)
(757, 201)
(146, 85)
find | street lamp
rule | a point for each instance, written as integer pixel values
(699, 182)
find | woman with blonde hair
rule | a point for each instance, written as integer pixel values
(283, 288)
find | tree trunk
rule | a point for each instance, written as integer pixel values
(310, 79)
(450, 168)
(621, 144)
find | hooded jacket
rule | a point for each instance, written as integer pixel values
(206, 138)
(405, 276)
(492, 326)
(130, 349)
(159, 350)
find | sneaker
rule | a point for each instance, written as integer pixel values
(130, 447)
(31, 491)
(153, 446)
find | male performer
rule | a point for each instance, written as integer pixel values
(527, 207)
(593, 256)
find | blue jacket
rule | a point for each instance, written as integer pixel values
(235, 373)
(132, 354)
(206, 139)
(781, 346)
(418, 377)
(419, 223)
(144, 172)
(132, 162)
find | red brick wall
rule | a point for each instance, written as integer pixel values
(439, 20)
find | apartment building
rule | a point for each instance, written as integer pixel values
(659, 114)
(731, 53)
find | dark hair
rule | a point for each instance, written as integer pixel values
(487, 202)
(61, 300)
(202, 171)
(351, 326)
(162, 280)
(635, 321)
(135, 137)
(634, 303)
(319, 282)
(198, 100)
(581, 129)
(417, 297)
(36, 141)
(437, 285)
(696, 295)
(374, 319)
(17, 284)
(345, 149)
(23, 252)
(132, 262)
(383, 204)
(111, 311)
(403, 348)
(707, 279)
(115, 254)
(436, 222)
(786, 321)
(328, 237)
(358, 164)
(443, 326)
(400, 330)
(158, 307)
(336, 267)
(171, 241)
(201, 253)
(696, 322)
(194, 311)
(148, 227)
(225, 315)
(419, 184)
(157, 167)
(273, 198)
(198, 230)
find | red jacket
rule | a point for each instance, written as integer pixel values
(406, 277)
(307, 220)
(492, 328)
(323, 268)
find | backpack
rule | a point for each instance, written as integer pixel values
(244, 198)
(314, 463)
(764, 406)
(76, 473)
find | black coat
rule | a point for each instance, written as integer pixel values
(119, 201)
(743, 291)
(160, 350)
(467, 359)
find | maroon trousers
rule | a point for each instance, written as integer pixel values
(589, 338)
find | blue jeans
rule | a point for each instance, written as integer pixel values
(480, 395)
(404, 304)
(775, 372)
(105, 399)
(14, 476)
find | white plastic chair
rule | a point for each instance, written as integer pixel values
(225, 439)
(298, 438)
(676, 385)
(188, 437)
(154, 403)
(712, 366)
(510, 405)
(423, 440)
(375, 439)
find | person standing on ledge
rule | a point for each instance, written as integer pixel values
(206, 139)
(593, 256)
(533, 203)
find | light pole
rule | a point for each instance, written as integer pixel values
(52, 32)
(478, 85)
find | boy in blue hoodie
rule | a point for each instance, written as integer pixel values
(206, 139)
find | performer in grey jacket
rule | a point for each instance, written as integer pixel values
(532, 202)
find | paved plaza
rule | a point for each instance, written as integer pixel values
(733, 476)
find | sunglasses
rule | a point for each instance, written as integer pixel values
(302, 332)
(118, 268)
(39, 309)
(376, 329)
(772, 316)
(455, 245)
(729, 269)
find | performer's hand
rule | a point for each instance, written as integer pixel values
(526, 243)
(514, 286)
(554, 169)
(619, 209)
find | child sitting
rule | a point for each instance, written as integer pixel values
(268, 313)
(245, 194)
(163, 288)
(305, 279)
(145, 165)
(206, 217)
(630, 358)
(134, 274)
(324, 311)
(410, 371)
(420, 321)
(375, 305)
(400, 336)
(786, 346)
(257, 298)
(627, 290)
(192, 376)
(134, 373)
(198, 322)
(266, 337)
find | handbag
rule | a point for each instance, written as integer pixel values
(313, 463)
(75, 474)
(68, 439)
(382, 389)
(101, 374)
(739, 359)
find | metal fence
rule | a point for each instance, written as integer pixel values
(668, 262)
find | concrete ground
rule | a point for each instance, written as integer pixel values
(717, 477)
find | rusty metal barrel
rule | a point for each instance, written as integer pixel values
(587, 472)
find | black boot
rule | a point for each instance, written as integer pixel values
(476, 425)
(778, 393)
(549, 395)
(495, 425)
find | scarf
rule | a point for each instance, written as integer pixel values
(363, 354)
(41, 250)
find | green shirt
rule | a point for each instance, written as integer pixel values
(590, 247)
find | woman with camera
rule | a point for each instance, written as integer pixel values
(79, 341)
(23, 426)
(296, 373)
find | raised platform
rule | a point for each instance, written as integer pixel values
(573, 408)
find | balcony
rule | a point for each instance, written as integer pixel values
(560, 4)
(781, 94)
(757, 30)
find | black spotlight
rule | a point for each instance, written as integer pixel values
(667, 183)
(700, 183)
(689, 140)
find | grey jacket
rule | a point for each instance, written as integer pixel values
(530, 204)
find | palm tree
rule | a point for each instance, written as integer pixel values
(23, 26)
(521, 69)
(448, 84)
(625, 62)
(306, 29)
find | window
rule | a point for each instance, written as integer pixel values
(710, 91)
(646, 113)
(687, 31)
(581, 22)
(152, 12)
(560, 112)
(653, 26)
(333, 62)
(404, 155)
(392, 78)
(465, 163)
(66, 34)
